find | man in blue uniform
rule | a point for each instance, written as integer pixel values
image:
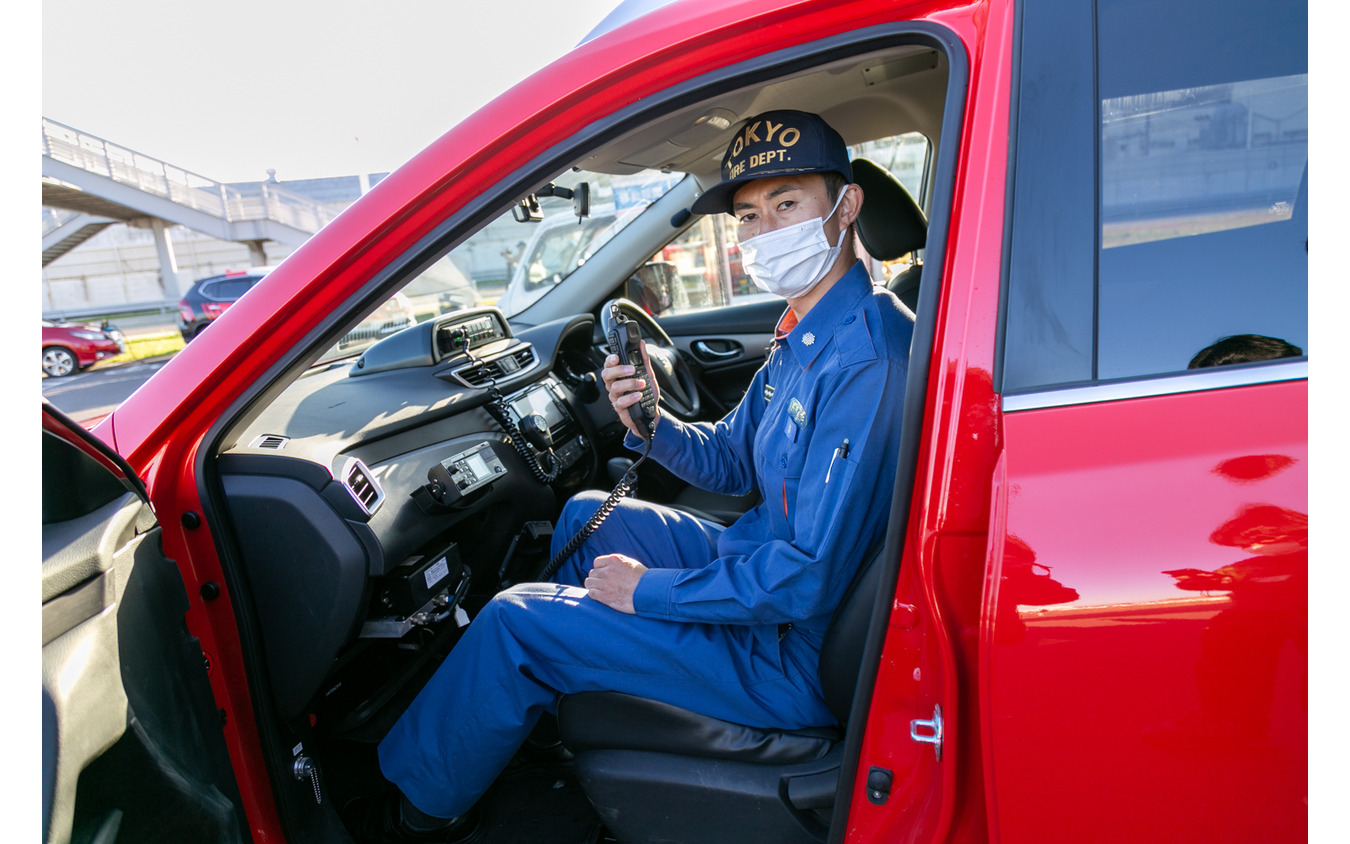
(657, 603)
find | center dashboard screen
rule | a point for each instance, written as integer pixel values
(538, 400)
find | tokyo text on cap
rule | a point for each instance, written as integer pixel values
(775, 143)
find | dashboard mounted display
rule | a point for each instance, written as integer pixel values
(539, 400)
(470, 332)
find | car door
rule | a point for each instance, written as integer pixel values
(132, 748)
(727, 346)
(1146, 640)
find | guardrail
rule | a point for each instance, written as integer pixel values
(166, 308)
(266, 201)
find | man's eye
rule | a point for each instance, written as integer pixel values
(748, 218)
(785, 205)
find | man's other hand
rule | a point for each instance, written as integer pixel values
(613, 579)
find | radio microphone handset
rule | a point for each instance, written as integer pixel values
(625, 341)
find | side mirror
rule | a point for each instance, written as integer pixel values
(655, 286)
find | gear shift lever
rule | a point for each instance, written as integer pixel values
(618, 467)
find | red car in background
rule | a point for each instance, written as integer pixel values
(69, 348)
(1089, 618)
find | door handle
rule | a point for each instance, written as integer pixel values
(707, 352)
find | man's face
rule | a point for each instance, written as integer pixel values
(775, 202)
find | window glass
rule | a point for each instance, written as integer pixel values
(706, 263)
(706, 260)
(509, 263)
(549, 251)
(1203, 169)
(229, 289)
(1185, 242)
(1048, 326)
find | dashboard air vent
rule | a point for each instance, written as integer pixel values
(272, 442)
(360, 482)
(497, 369)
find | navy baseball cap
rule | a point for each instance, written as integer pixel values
(775, 143)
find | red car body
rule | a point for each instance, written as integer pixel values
(1176, 520)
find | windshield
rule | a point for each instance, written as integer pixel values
(511, 264)
(562, 242)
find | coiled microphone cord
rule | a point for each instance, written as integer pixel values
(500, 411)
(622, 489)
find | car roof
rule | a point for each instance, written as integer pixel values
(865, 97)
(251, 272)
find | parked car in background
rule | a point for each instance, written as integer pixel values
(68, 348)
(212, 296)
(559, 245)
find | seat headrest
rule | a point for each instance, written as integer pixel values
(891, 223)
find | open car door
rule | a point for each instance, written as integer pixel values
(132, 748)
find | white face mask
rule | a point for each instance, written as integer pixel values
(790, 261)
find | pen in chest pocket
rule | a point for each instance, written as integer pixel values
(840, 453)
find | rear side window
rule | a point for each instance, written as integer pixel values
(228, 289)
(1159, 213)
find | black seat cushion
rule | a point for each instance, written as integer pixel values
(715, 507)
(841, 652)
(615, 721)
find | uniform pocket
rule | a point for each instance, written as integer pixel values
(791, 457)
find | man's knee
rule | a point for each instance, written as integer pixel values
(581, 507)
(575, 513)
(530, 613)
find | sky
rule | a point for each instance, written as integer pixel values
(309, 88)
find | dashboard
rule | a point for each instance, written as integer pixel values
(373, 499)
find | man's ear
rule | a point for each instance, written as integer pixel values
(851, 205)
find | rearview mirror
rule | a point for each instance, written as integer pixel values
(528, 210)
(581, 200)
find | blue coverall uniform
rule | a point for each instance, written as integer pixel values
(818, 433)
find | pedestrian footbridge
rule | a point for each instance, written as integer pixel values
(89, 183)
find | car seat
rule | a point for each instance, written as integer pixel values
(658, 773)
(890, 225)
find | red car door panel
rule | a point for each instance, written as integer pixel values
(1148, 643)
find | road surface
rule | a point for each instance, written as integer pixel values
(92, 394)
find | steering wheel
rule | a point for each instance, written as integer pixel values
(674, 379)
